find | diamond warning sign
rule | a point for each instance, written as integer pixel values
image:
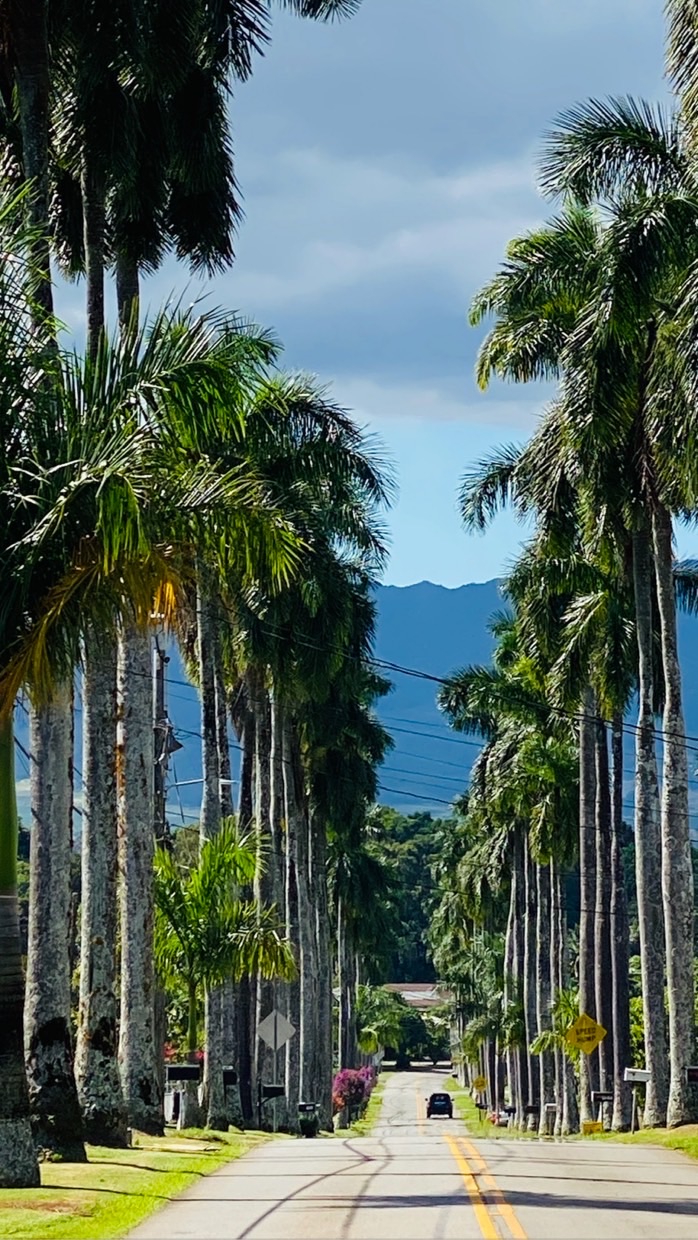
(585, 1034)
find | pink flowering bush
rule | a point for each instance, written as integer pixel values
(368, 1076)
(349, 1089)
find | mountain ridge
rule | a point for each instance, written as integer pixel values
(427, 629)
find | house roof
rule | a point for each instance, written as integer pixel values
(422, 995)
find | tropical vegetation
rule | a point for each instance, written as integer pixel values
(170, 483)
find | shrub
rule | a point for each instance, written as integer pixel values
(368, 1076)
(349, 1089)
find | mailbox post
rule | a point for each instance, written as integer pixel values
(179, 1074)
(598, 1097)
(266, 1093)
(636, 1076)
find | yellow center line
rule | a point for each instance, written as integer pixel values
(485, 1222)
(505, 1211)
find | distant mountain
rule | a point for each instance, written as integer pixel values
(423, 628)
(428, 628)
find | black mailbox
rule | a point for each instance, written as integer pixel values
(272, 1091)
(601, 1095)
(692, 1075)
(183, 1072)
(230, 1077)
(307, 1108)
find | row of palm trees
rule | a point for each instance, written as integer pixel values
(603, 301)
(168, 471)
(270, 553)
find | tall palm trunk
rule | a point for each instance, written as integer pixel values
(620, 948)
(213, 1092)
(520, 1059)
(245, 1009)
(555, 952)
(299, 852)
(648, 844)
(569, 1121)
(47, 1025)
(18, 1163)
(543, 991)
(224, 763)
(247, 765)
(93, 212)
(509, 990)
(529, 980)
(29, 33)
(230, 989)
(96, 1065)
(587, 888)
(603, 966)
(137, 1051)
(127, 290)
(677, 868)
(276, 868)
(323, 1015)
(265, 995)
(346, 958)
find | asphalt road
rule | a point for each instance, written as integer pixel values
(419, 1179)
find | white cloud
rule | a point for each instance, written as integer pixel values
(375, 402)
(321, 223)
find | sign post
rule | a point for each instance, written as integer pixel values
(276, 1031)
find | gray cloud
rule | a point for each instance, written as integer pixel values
(454, 79)
(387, 162)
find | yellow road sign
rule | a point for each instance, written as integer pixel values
(585, 1034)
(479, 1084)
(590, 1126)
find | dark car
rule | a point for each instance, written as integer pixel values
(439, 1104)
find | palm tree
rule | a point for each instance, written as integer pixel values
(328, 481)
(643, 322)
(26, 72)
(74, 489)
(379, 1018)
(204, 932)
(536, 333)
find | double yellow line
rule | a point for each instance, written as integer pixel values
(478, 1177)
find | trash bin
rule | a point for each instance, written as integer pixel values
(308, 1119)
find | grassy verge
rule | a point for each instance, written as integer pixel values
(363, 1127)
(116, 1189)
(684, 1139)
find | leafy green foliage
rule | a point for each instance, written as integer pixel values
(204, 932)
(406, 847)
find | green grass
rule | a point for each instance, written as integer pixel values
(364, 1127)
(684, 1139)
(109, 1195)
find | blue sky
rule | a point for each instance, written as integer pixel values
(385, 163)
